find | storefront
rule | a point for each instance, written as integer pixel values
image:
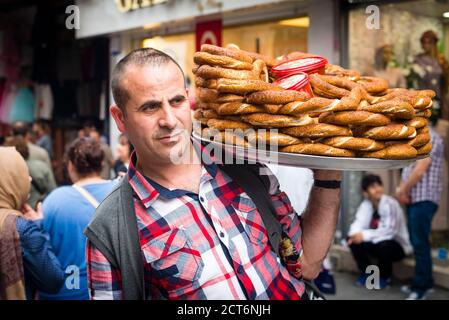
(398, 25)
(46, 74)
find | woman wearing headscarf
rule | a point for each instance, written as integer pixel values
(27, 262)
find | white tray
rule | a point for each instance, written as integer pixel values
(307, 161)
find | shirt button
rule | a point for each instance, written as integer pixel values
(222, 234)
(201, 199)
(240, 269)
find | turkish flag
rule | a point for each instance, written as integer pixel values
(208, 32)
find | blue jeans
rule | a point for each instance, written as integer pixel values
(420, 216)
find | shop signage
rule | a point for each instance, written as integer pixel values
(208, 32)
(128, 5)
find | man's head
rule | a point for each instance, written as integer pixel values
(372, 187)
(21, 129)
(152, 106)
(40, 128)
(84, 158)
(429, 40)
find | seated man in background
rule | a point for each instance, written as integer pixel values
(379, 231)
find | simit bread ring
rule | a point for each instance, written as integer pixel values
(393, 152)
(244, 86)
(256, 56)
(326, 89)
(276, 96)
(262, 137)
(424, 113)
(417, 122)
(206, 83)
(418, 141)
(228, 52)
(265, 120)
(223, 124)
(422, 102)
(318, 105)
(425, 149)
(423, 130)
(207, 72)
(313, 104)
(221, 61)
(334, 70)
(373, 84)
(198, 115)
(230, 137)
(206, 95)
(228, 97)
(340, 82)
(318, 149)
(208, 106)
(230, 108)
(317, 130)
(396, 107)
(355, 118)
(389, 132)
(352, 143)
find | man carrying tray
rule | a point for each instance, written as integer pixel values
(197, 229)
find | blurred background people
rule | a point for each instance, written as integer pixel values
(23, 129)
(384, 67)
(420, 190)
(69, 209)
(123, 150)
(41, 132)
(432, 70)
(27, 260)
(379, 231)
(108, 160)
(42, 179)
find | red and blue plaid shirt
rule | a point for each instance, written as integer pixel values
(210, 245)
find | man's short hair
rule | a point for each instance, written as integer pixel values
(138, 58)
(20, 128)
(370, 179)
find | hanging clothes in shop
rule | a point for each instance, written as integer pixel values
(7, 101)
(23, 106)
(44, 101)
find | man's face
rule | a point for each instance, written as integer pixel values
(157, 118)
(427, 44)
(374, 192)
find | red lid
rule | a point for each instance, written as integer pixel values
(293, 82)
(309, 64)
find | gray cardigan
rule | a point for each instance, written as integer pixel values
(114, 232)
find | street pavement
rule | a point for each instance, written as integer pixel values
(347, 290)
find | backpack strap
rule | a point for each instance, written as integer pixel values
(86, 195)
(256, 186)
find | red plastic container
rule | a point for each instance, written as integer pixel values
(315, 64)
(298, 82)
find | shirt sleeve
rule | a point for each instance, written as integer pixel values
(40, 262)
(286, 215)
(105, 281)
(362, 218)
(388, 224)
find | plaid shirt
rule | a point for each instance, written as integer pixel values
(429, 188)
(210, 245)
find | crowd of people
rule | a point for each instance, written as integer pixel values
(41, 224)
(163, 229)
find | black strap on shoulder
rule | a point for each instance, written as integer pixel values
(256, 185)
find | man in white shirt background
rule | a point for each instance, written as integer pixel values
(379, 231)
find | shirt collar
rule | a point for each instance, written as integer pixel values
(148, 190)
